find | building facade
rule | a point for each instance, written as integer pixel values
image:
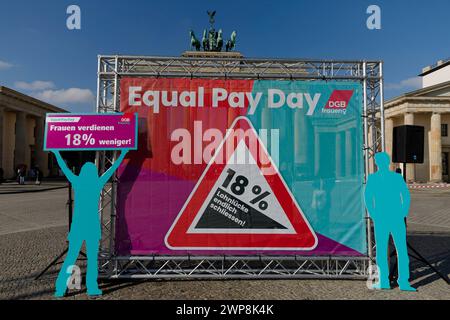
(428, 107)
(22, 123)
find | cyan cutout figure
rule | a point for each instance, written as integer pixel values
(387, 201)
(85, 222)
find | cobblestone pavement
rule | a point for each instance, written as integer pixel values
(431, 209)
(32, 211)
(26, 250)
(30, 186)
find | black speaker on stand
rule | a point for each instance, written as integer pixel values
(408, 145)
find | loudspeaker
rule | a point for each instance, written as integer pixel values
(407, 144)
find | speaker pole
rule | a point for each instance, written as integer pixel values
(70, 204)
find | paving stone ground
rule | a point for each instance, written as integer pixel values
(12, 187)
(33, 230)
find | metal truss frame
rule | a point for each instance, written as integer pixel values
(111, 68)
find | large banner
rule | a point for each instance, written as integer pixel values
(242, 167)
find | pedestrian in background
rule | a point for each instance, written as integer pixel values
(38, 175)
(21, 175)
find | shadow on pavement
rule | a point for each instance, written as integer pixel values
(435, 247)
(35, 294)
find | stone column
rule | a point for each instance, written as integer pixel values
(410, 167)
(2, 134)
(41, 156)
(435, 148)
(349, 153)
(300, 138)
(316, 152)
(338, 154)
(21, 143)
(388, 137)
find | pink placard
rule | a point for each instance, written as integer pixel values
(91, 131)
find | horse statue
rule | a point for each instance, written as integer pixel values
(205, 40)
(219, 40)
(195, 43)
(231, 44)
(211, 40)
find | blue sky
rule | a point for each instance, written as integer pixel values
(41, 57)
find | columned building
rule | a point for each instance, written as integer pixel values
(22, 123)
(428, 107)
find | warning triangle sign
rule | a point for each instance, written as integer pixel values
(241, 202)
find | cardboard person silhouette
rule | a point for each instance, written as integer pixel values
(387, 200)
(85, 222)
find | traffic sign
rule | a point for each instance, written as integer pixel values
(241, 202)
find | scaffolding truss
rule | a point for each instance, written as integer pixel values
(112, 68)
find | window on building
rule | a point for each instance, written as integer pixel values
(444, 130)
(445, 163)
